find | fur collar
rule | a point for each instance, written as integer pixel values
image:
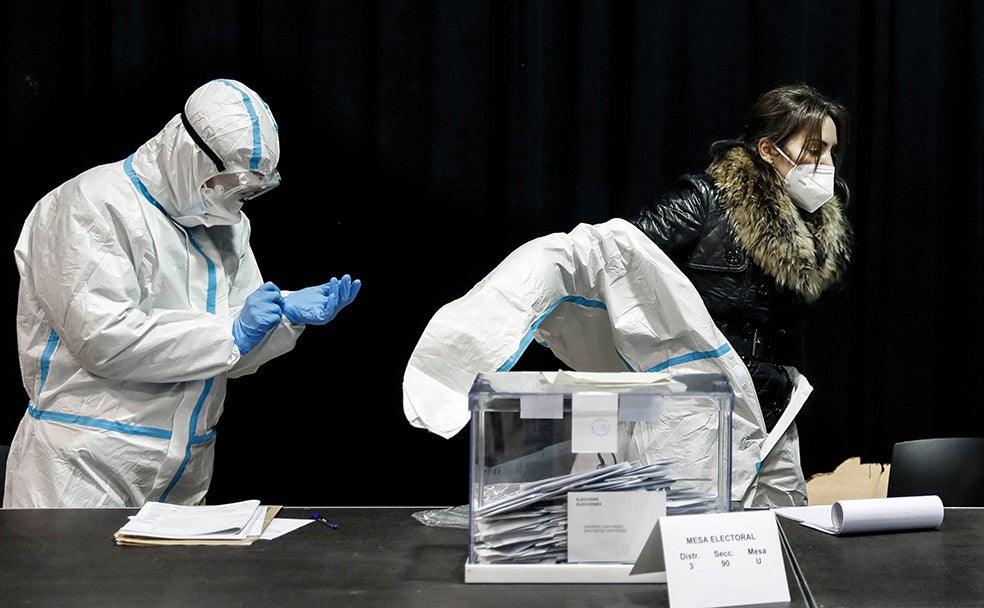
(804, 252)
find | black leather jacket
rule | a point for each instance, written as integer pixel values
(754, 256)
(690, 225)
(755, 259)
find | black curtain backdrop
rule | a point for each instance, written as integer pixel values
(424, 141)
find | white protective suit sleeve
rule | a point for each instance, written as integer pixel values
(603, 298)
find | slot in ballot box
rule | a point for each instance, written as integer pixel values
(569, 471)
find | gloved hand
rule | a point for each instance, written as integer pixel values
(259, 315)
(319, 304)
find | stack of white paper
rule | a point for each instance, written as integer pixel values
(158, 523)
(527, 523)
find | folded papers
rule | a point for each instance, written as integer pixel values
(158, 523)
(528, 523)
(870, 515)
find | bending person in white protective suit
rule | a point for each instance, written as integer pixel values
(139, 296)
(602, 298)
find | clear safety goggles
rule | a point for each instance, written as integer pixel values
(243, 186)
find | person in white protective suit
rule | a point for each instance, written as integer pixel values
(139, 297)
(602, 298)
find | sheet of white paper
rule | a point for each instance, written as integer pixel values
(594, 422)
(616, 378)
(717, 559)
(866, 515)
(282, 525)
(610, 526)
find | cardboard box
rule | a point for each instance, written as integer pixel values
(849, 480)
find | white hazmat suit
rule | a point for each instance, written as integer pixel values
(602, 298)
(128, 294)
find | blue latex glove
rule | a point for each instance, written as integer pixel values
(319, 304)
(259, 315)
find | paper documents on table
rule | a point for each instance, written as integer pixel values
(159, 523)
(868, 515)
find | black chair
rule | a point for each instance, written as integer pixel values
(949, 467)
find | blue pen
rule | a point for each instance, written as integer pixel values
(318, 518)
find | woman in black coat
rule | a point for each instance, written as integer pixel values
(761, 233)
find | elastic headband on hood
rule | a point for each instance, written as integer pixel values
(201, 143)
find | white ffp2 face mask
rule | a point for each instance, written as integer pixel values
(225, 213)
(221, 200)
(205, 212)
(810, 186)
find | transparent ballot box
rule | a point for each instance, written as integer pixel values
(570, 471)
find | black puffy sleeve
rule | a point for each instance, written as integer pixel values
(676, 219)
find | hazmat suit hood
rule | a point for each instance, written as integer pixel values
(225, 128)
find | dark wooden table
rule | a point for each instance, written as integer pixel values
(384, 557)
(376, 557)
(922, 569)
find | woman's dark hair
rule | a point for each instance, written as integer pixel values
(779, 115)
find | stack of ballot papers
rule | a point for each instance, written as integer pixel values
(158, 523)
(527, 523)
